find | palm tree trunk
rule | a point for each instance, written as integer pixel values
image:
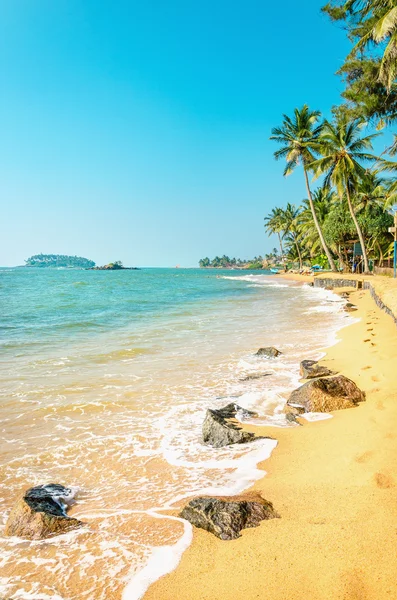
(281, 245)
(341, 260)
(380, 254)
(299, 254)
(317, 224)
(359, 232)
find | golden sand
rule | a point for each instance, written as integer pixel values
(333, 483)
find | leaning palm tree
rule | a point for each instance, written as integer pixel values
(274, 225)
(299, 139)
(343, 151)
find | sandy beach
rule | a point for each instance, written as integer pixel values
(333, 483)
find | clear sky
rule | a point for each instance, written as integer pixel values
(138, 130)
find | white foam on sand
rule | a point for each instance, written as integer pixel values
(165, 559)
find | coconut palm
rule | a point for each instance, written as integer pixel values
(343, 151)
(323, 198)
(371, 23)
(290, 219)
(298, 137)
(274, 225)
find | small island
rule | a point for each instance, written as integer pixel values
(59, 260)
(114, 266)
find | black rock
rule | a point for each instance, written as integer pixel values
(349, 307)
(41, 513)
(310, 369)
(268, 352)
(226, 517)
(219, 430)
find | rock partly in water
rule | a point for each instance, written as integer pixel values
(226, 517)
(310, 369)
(268, 352)
(291, 417)
(41, 513)
(253, 376)
(219, 430)
(326, 394)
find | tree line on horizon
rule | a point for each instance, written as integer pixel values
(225, 262)
(358, 189)
(58, 260)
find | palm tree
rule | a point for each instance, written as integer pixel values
(371, 23)
(323, 199)
(290, 217)
(273, 224)
(342, 148)
(299, 139)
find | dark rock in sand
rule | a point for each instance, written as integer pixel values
(291, 418)
(254, 376)
(41, 513)
(326, 394)
(349, 307)
(309, 369)
(219, 430)
(226, 517)
(268, 352)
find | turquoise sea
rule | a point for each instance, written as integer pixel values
(105, 378)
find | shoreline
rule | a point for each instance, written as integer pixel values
(324, 509)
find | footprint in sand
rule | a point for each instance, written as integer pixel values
(380, 405)
(372, 344)
(371, 328)
(383, 481)
(375, 378)
(368, 340)
(363, 458)
(365, 368)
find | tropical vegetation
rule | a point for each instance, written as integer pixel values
(225, 262)
(350, 212)
(59, 260)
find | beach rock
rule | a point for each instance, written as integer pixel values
(291, 417)
(219, 429)
(349, 307)
(254, 376)
(326, 394)
(41, 513)
(309, 369)
(226, 517)
(268, 352)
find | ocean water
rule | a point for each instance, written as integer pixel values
(105, 378)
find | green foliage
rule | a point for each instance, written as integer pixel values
(59, 260)
(225, 262)
(321, 260)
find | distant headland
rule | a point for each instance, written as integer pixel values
(59, 260)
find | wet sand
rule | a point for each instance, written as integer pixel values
(333, 483)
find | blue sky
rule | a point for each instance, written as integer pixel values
(139, 130)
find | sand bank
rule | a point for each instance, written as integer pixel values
(333, 483)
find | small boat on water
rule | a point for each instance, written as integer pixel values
(275, 271)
